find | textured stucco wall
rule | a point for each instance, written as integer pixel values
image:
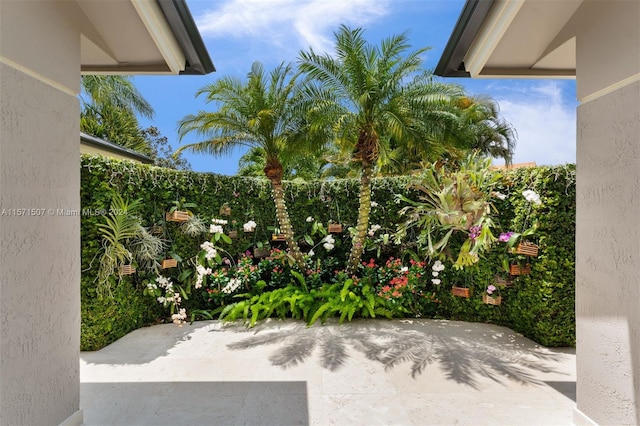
(39, 256)
(608, 258)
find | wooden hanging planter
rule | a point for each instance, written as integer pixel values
(335, 228)
(169, 263)
(177, 216)
(526, 248)
(503, 282)
(233, 234)
(225, 211)
(490, 300)
(261, 252)
(520, 270)
(461, 292)
(127, 270)
(278, 237)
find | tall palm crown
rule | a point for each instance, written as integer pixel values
(265, 112)
(374, 95)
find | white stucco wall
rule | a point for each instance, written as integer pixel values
(608, 212)
(39, 256)
(608, 258)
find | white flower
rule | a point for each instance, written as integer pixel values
(219, 221)
(162, 281)
(438, 266)
(233, 284)
(249, 226)
(531, 197)
(499, 195)
(329, 239)
(216, 229)
(201, 272)
(179, 317)
(311, 253)
(328, 246)
(152, 286)
(436, 281)
(373, 230)
(161, 299)
(434, 273)
(374, 204)
(404, 269)
(210, 250)
(310, 219)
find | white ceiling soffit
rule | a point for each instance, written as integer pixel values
(524, 38)
(128, 37)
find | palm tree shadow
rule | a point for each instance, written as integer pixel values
(463, 355)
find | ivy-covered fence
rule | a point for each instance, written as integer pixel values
(539, 305)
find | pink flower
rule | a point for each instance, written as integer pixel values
(491, 289)
(505, 237)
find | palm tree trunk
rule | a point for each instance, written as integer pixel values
(363, 218)
(285, 223)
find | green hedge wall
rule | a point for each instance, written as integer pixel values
(540, 305)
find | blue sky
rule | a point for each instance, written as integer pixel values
(239, 32)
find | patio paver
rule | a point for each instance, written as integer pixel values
(400, 372)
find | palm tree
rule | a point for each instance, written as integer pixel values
(483, 130)
(375, 95)
(116, 90)
(265, 113)
(303, 167)
(109, 107)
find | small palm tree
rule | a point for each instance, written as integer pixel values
(266, 113)
(374, 95)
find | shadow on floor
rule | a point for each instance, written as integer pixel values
(195, 403)
(568, 389)
(465, 352)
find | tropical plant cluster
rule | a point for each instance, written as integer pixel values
(397, 276)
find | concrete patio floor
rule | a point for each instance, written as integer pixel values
(400, 372)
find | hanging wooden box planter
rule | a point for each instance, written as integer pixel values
(127, 270)
(177, 216)
(503, 282)
(278, 237)
(335, 228)
(520, 270)
(461, 292)
(169, 263)
(526, 248)
(233, 234)
(225, 211)
(261, 252)
(490, 300)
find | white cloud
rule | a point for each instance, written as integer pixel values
(545, 122)
(288, 23)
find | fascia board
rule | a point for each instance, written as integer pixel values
(161, 33)
(495, 26)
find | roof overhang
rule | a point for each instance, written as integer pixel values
(113, 148)
(512, 39)
(141, 37)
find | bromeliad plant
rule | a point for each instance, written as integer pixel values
(452, 202)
